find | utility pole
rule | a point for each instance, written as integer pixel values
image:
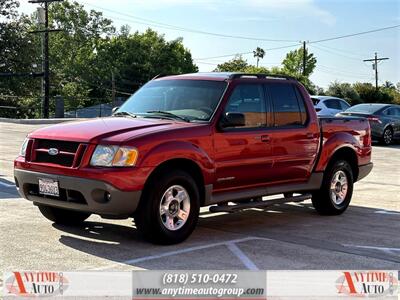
(375, 66)
(304, 58)
(45, 58)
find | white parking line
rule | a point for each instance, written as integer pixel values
(243, 257)
(384, 249)
(387, 212)
(6, 184)
(181, 251)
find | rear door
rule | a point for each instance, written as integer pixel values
(394, 114)
(243, 154)
(294, 145)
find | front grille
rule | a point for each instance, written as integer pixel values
(69, 153)
(63, 160)
(60, 145)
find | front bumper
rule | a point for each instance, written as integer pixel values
(80, 194)
(364, 170)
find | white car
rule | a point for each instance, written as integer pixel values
(328, 105)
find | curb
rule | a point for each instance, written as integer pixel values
(38, 121)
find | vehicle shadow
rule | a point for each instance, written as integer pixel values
(361, 231)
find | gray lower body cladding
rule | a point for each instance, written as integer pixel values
(87, 195)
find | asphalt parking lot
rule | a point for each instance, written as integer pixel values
(291, 236)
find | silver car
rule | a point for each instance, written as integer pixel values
(328, 105)
(384, 120)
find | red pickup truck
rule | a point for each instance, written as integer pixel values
(187, 141)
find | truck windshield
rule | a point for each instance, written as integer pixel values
(176, 99)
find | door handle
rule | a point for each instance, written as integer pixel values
(265, 138)
(310, 135)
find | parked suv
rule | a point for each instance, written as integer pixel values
(182, 142)
(328, 105)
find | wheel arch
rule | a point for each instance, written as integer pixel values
(184, 164)
(348, 154)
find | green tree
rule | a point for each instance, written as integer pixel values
(369, 94)
(83, 56)
(259, 53)
(345, 91)
(293, 63)
(136, 58)
(236, 64)
(18, 55)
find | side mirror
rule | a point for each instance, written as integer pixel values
(233, 119)
(114, 109)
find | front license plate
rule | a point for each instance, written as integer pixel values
(49, 187)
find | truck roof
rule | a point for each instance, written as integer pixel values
(223, 76)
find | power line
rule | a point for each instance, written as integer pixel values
(335, 53)
(314, 42)
(343, 51)
(244, 53)
(343, 71)
(186, 29)
(343, 75)
(354, 34)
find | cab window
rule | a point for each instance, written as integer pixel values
(248, 99)
(288, 105)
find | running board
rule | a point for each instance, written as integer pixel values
(258, 204)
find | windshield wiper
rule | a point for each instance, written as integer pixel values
(168, 114)
(124, 113)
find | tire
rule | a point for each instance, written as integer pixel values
(167, 218)
(63, 216)
(387, 137)
(336, 191)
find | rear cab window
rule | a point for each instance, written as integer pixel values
(288, 105)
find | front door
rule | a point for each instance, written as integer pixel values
(242, 154)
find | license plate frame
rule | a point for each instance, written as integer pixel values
(49, 187)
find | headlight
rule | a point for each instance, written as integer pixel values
(114, 156)
(22, 151)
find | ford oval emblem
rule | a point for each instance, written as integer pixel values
(53, 151)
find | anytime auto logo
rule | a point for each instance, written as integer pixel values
(368, 283)
(36, 284)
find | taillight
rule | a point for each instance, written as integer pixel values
(365, 137)
(374, 119)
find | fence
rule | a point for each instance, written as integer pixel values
(59, 108)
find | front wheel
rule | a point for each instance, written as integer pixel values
(387, 137)
(63, 216)
(169, 209)
(336, 191)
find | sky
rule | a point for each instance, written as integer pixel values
(271, 24)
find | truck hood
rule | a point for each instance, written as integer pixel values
(92, 131)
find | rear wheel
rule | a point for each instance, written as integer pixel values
(387, 136)
(63, 216)
(336, 191)
(169, 209)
